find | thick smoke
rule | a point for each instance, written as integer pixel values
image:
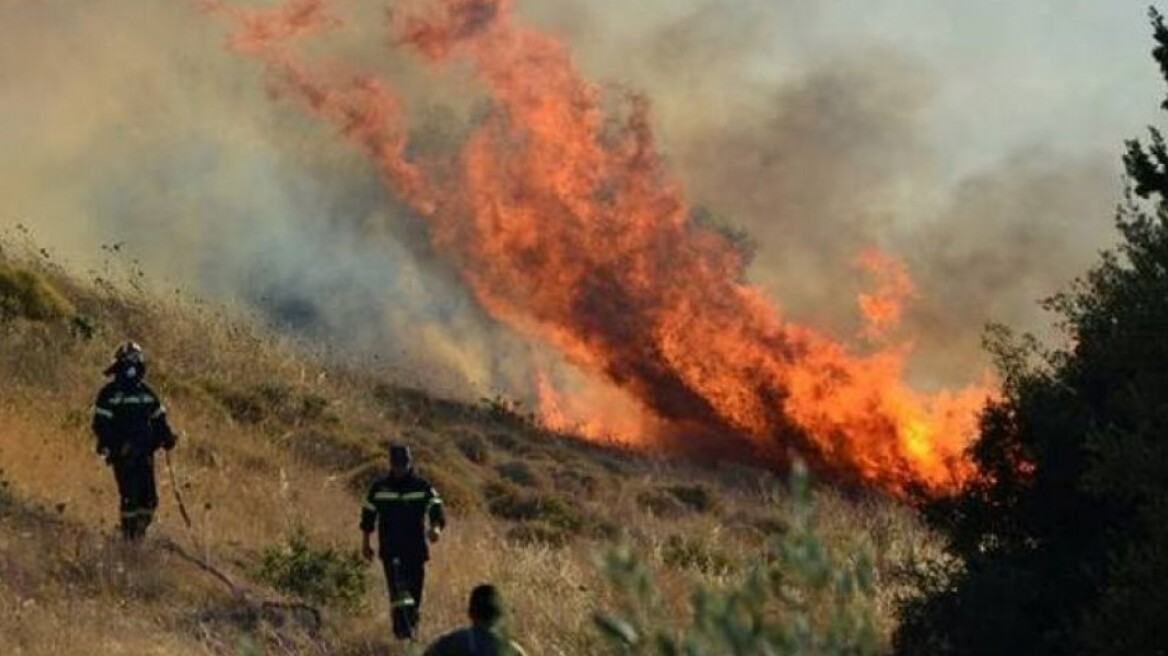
(127, 121)
(823, 128)
(1005, 239)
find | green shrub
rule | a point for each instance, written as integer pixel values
(474, 448)
(83, 327)
(29, 295)
(696, 497)
(318, 575)
(273, 394)
(505, 501)
(1061, 539)
(518, 472)
(575, 483)
(676, 500)
(270, 401)
(526, 506)
(243, 406)
(798, 599)
(660, 503)
(312, 407)
(688, 553)
(602, 528)
(769, 526)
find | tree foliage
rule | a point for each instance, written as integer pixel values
(1064, 535)
(804, 598)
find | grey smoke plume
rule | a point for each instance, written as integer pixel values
(127, 122)
(978, 142)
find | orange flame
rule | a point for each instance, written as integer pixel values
(594, 412)
(566, 224)
(882, 308)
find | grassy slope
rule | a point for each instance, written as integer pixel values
(275, 438)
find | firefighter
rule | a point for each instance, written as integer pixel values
(129, 421)
(400, 504)
(484, 636)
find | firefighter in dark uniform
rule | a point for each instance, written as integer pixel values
(129, 421)
(399, 504)
(484, 636)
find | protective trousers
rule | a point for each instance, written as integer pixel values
(139, 495)
(405, 579)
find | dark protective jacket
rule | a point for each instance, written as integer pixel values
(399, 507)
(130, 421)
(474, 641)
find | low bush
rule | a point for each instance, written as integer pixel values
(475, 448)
(696, 497)
(575, 483)
(269, 402)
(508, 503)
(518, 472)
(689, 553)
(318, 575)
(660, 503)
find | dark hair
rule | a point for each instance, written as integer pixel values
(399, 454)
(486, 604)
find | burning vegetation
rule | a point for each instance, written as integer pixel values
(565, 224)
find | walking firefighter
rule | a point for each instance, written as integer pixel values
(129, 421)
(399, 505)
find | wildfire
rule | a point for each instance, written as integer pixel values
(565, 224)
(882, 308)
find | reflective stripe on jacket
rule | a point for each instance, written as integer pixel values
(399, 509)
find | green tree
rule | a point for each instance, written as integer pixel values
(1063, 537)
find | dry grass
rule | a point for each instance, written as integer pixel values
(276, 436)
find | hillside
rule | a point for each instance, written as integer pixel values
(279, 441)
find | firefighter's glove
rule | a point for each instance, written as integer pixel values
(366, 550)
(434, 533)
(170, 442)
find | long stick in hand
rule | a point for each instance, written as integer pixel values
(182, 507)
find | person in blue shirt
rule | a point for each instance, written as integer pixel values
(484, 637)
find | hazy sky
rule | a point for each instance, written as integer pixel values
(1071, 75)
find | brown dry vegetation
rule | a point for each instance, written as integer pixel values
(276, 437)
